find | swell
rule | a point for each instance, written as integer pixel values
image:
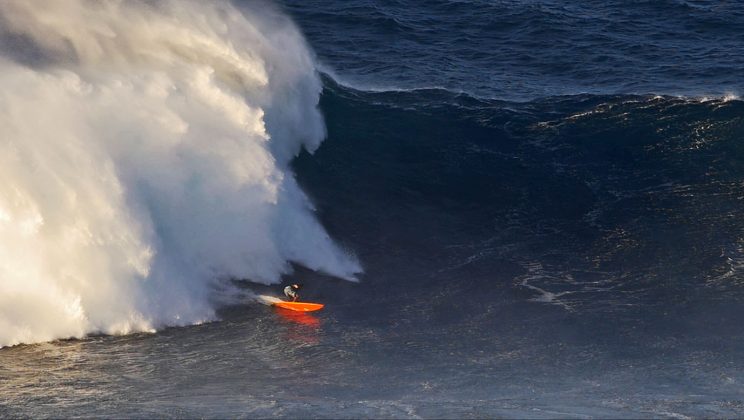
(520, 50)
(589, 202)
(145, 160)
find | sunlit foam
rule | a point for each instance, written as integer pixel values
(145, 157)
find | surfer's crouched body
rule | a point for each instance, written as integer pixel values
(291, 292)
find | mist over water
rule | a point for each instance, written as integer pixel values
(144, 158)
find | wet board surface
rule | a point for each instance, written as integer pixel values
(299, 306)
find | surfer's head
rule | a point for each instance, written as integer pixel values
(297, 286)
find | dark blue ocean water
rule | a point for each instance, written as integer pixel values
(548, 201)
(522, 50)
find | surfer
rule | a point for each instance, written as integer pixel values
(291, 292)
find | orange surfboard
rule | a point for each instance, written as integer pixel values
(299, 306)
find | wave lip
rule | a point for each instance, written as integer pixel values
(145, 158)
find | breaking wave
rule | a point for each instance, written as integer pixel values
(144, 160)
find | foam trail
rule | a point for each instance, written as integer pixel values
(144, 158)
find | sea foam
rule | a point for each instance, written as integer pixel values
(144, 159)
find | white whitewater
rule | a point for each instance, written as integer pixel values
(267, 299)
(144, 152)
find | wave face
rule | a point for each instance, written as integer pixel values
(144, 157)
(585, 155)
(591, 203)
